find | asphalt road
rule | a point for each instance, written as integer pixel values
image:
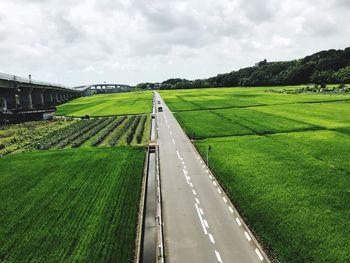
(200, 223)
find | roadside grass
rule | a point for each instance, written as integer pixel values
(293, 192)
(72, 205)
(108, 104)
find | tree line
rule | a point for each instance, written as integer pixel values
(325, 67)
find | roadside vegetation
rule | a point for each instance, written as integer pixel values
(70, 205)
(283, 160)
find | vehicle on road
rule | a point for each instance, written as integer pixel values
(160, 109)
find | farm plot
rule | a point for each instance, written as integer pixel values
(216, 98)
(70, 205)
(108, 105)
(234, 121)
(292, 191)
(93, 132)
(16, 136)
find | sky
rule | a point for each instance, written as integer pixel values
(78, 42)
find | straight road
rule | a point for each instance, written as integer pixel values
(200, 223)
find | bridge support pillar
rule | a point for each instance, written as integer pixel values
(25, 98)
(38, 97)
(48, 98)
(3, 104)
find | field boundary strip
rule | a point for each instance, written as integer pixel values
(139, 232)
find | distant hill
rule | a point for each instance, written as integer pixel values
(325, 67)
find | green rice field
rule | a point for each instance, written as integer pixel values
(284, 161)
(71, 205)
(108, 104)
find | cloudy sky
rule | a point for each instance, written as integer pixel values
(77, 42)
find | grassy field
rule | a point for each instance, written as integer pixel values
(108, 104)
(73, 205)
(283, 160)
(217, 98)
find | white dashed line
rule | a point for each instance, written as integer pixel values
(201, 210)
(206, 223)
(178, 155)
(219, 191)
(200, 218)
(214, 183)
(247, 236)
(259, 254)
(201, 161)
(238, 221)
(198, 157)
(173, 141)
(197, 200)
(210, 177)
(225, 200)
(203, 166)
(230, 208)
(191, 185)
(211, 238)
(206, 170)
(194, 192)
(218, 257)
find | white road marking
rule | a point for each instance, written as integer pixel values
(247, 236)
(197, 200)
(218, 257)
(173, 141)
(191, 184)
(238, 221)
(198, 157)
(207, 171)
(200, 218)
(211, 238)
(185, 166)
(214, 183)
(201, 210)
(171, 133)
(259, 254)
(203, 166)
(178, 155)
(219, 191)
(185, 176)
(230, 208)
(201, 161)
(194, 192)
(210, 177)
(225, 200)
(206, 223)
(183, 162)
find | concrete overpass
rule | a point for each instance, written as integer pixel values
(88, 90)
(24, 98)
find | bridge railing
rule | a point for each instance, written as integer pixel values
(10, 77)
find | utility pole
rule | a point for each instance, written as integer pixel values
(208, 150)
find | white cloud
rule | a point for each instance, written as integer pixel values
(85, 41)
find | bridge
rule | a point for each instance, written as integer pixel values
(88, 90)
(27, 99)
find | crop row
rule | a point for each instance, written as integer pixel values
(86, 136)
(132, 129)
(123, 129)
(141, 129)
(103, 136)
